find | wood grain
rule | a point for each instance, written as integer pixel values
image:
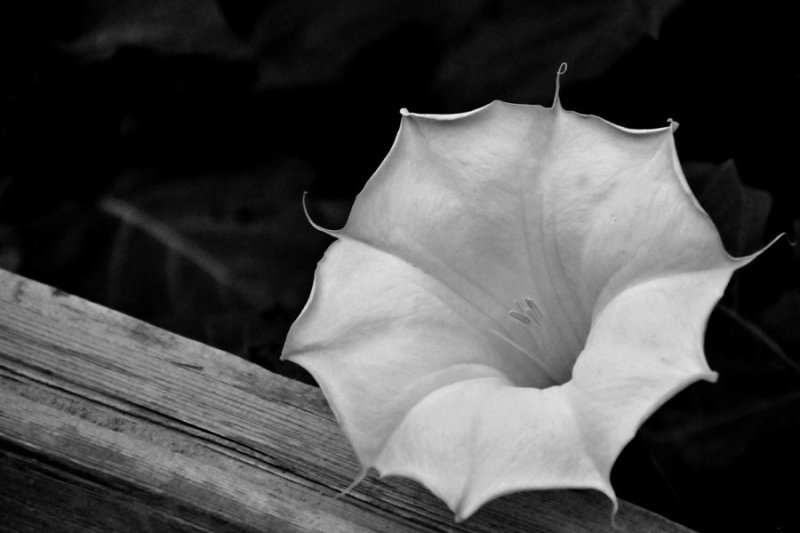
(110, 424)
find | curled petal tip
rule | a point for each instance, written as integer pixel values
(562, 69)
(673, 124)
(316, 226)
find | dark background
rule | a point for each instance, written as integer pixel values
(153, 156)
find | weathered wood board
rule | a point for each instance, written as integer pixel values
(110, 424)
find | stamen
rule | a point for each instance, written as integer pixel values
(533, 311)
(519, 316)
(529, 314)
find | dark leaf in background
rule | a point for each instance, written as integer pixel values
(10, 254)
(516, 43)
(781, 318)
(489, 49)
(69, 248)
(207, 255)
(739, 212)
(711, 441)
(178, 27)
(294, 38)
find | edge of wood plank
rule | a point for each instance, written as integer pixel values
(159, 432)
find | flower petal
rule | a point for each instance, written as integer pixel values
(646, 345)
(477, 439)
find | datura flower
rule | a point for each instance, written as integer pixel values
(516, 290)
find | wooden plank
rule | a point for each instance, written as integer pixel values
(110, 424)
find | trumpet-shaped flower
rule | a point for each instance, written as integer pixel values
(516, 290)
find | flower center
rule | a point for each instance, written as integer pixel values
(548, 354)
(528, 314)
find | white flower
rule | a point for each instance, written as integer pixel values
(516, 290)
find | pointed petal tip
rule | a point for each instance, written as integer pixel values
(459, 516)
(362, 474)
(465, 509)
(290, 353)
(286, 355)
(747, 259)
(614, 501)
(467, 506)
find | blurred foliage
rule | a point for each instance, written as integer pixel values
(739, 212)
(154, 156)
(226, 259)
(176, 27)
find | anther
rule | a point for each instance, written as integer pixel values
(519, 316)
(528, 314)
(533, 310)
